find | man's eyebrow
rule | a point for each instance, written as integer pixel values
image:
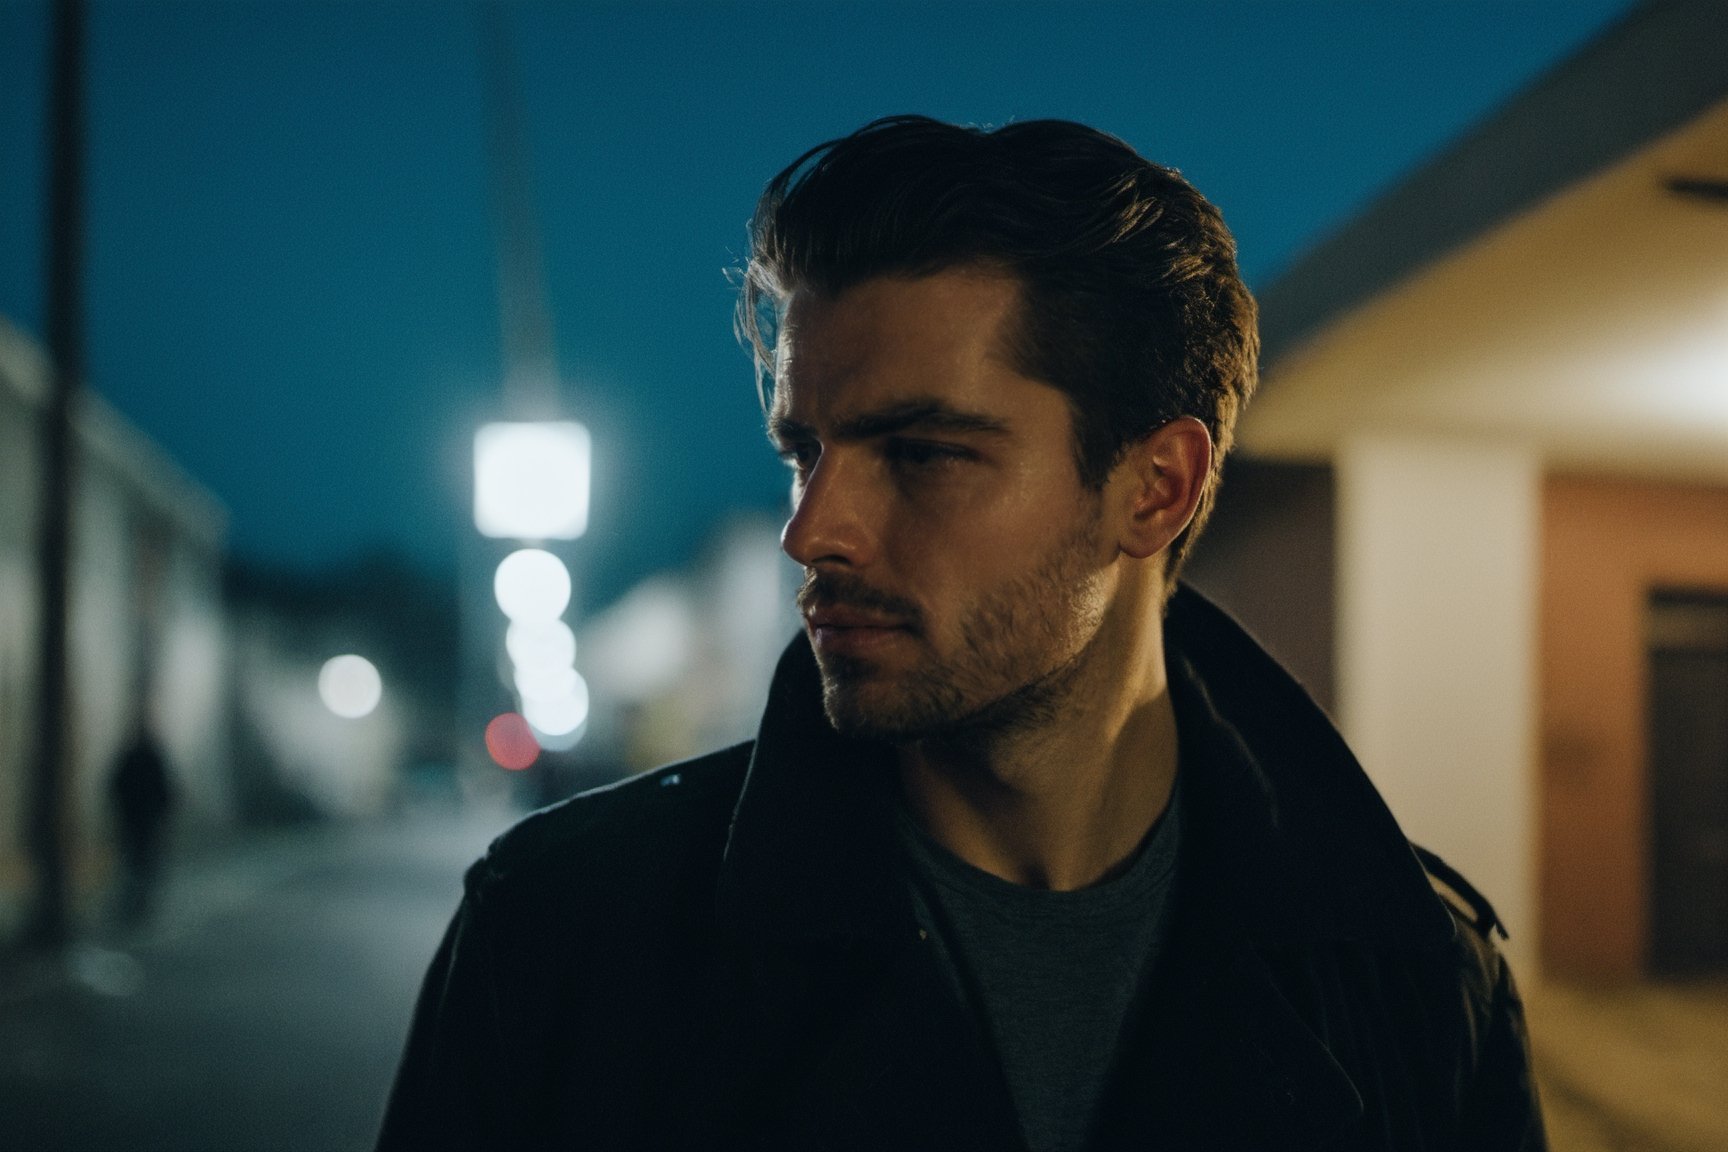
(785, 430)
(919, 415)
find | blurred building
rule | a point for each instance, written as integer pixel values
(293, 757)
(148, 633)
(221, 664)
(1491, 449)
(680, 664)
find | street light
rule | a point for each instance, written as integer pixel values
(350, 686)
(531, 480)
(559, 716)
(543, 644)
(532, 586)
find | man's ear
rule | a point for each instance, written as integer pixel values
(1157, 485)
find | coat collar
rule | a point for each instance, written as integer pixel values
(1285, 844)
(1286, 834)
(810, 854)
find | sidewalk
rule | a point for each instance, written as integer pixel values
(218, 878)
(264, 1010)
(1640, 1068)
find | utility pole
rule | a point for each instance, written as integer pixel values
(530, 351)
(48, 833)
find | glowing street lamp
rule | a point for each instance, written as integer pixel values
(545, 683)
(531, 480)
(542, 644)
(531, 483)
(532, 586)
(558, 716)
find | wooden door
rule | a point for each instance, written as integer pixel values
(1688, 635)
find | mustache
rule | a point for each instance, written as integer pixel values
(843, 590)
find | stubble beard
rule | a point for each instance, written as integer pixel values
(1022, 649)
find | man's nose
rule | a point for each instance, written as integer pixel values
(829, 524)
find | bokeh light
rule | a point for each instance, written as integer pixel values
(350, 686)
(546, 683)
(511, 742)
(546, 644)
(559, 715)
(532, 586)
(531, 480)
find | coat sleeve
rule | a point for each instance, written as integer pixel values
(457, 1087)
(1502, 1110)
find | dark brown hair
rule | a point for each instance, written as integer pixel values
(1131, 303)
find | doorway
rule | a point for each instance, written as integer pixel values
(1688, 740)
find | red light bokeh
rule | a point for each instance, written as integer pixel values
(511, 742)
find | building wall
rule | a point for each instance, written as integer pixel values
(18, 608)
(1267, 558)
(1605, 545)
(147, 628)
(104, 650)
(1437, 622)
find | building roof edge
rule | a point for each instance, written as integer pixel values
(1661, 64)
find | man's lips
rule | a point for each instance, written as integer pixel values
(850, 632)
(821, 619)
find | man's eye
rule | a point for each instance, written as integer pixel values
(799, 457)
(923, 453)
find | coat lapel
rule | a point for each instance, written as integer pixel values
(850, 1038)
(1286, 848)
(891, 1061)
(842, 1032)
(1219, 1059)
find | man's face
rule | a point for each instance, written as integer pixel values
(955, 566)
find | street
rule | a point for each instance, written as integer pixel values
(266, 1011)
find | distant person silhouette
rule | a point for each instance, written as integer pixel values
(142, 795)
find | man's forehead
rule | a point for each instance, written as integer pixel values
(893, 341)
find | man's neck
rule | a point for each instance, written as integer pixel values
(1061, 804)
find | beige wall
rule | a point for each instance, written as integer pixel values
(1605, 545)
(1437, 605)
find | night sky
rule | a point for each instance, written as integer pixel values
(291, 271)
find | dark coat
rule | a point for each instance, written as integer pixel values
(723, 953)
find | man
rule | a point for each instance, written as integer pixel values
(1034, 849)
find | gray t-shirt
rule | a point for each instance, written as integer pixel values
(1050, 976)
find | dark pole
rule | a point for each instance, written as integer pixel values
(530, 351)
(49, 814)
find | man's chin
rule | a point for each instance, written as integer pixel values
(859, 710)
(868, 703)
(882, 709)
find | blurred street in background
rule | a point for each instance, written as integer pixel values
(265, 1009)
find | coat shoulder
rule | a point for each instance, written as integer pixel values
(1498, 1101)
(628, 829)
(1466, 904)
(1475, 958)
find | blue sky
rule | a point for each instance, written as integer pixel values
(291, 276)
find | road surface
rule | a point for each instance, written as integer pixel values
(266, 1011)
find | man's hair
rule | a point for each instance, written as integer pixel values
(1131, 303)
